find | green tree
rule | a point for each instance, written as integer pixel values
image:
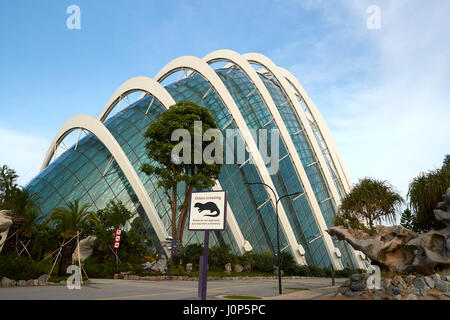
(424, 193)
(103, 225)
(67, 221)
(139, 242)
(171, 173)
(370, 201)
(24, 206)
(409, 220)
(446, 163)
(8, 186)
(115, 215)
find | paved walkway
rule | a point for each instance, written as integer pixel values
(108, 289)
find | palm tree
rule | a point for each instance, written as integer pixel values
(68, 221)
(114, 216)
(370, 201)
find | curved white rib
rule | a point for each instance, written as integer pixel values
(332, 148)
(91, 124)
(249, 71)
(267, 64)
(136, 84)
(201, 67)
(324, 130)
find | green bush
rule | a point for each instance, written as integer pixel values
(22, 268)
(219, 256)
(191, 254)
(107, 269)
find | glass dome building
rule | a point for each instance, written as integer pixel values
(245, 92)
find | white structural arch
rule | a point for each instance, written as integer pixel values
(268, 65)
(201, 67)
(332, 148)
(249, 71)
(324, 130)
(137, 84)
(91, 124)
(280, 76)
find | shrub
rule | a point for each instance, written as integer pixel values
(219, 256)
(263, 262)
(22, 268)
(191, 254)
(106, 269)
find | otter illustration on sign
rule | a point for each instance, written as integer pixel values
(211, 206)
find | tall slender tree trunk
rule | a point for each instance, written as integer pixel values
(66, 257)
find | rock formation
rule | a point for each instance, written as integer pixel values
(399, 287)
(398, 249)
(156, 266)
(87, 246)
(5, 223)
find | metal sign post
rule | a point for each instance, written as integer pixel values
(207, 212)
(174, 246)
(204, 261)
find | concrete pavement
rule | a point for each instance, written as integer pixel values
(109, 289)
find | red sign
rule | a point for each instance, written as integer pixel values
(117, 239)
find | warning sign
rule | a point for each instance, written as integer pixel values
(207, 210)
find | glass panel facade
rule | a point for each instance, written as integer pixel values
(91, 174)
(308, 159)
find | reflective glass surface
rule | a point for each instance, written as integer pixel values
(89, 172)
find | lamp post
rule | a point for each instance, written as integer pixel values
(278, 230)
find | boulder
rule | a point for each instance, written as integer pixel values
(429, 282)
(393, 290)
(436, 276)
(343, 290)
(238, 268)
(87, 246)
(5, 223)
(360, 285)
(30, 282)
(414, 291)
(398, 249)
(385, 283)
(42, 280)
(228, 268)
(378, 294)
(411, 297)
(156, 266)
(399, 282)
(419, 283)
(21, 283)
(409, 279)
(443, 286)
(7, 283)
(351, 294)
(275, 271)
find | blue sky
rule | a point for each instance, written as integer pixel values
(384, 93)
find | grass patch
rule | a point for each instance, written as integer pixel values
(298, 289)
(242, 297)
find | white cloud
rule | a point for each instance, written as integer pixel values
(22, 152)
(387, 104)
